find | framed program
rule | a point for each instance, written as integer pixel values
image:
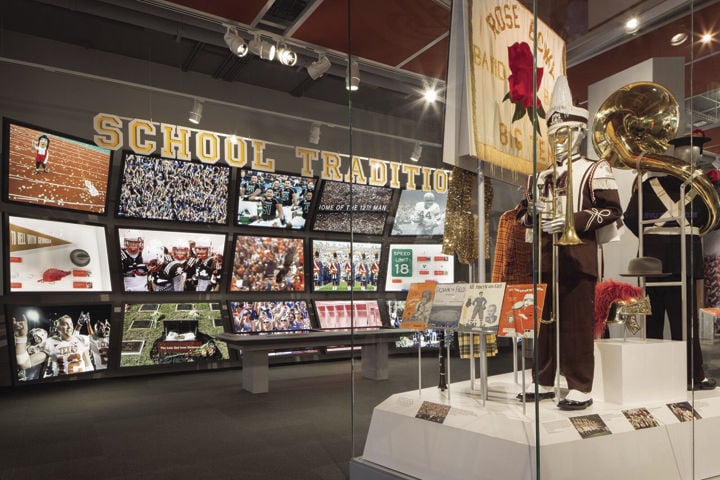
(52, 169)
(170, 261)
(270, 264)
(49, 256)
(420, 213)
(413, 263)
(346, 314)
(339, 268)
(171, 333)
(156, 188)
(59, 341)
(270, 317)
(363, 208)
(275, 200)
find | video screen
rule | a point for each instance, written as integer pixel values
(162, 189)
(274, 200)
(337, 269)
(48, 256)
(170, 261)
(414, 263)
(268, 264)
(52, 169)
(344, 314)
(420, 213)
(368, 205)
(171, 333)
(59, 341)
(270, 317)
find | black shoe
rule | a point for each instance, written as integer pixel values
(574, 405)
(530, 396)
(706, 384)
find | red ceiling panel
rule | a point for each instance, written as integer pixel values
(387, 32)
(432, 62)
(243, 11)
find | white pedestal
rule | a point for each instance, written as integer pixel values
(499, 440)
(636, 371)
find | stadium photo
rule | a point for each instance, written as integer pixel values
(54, 170)
(337, 269)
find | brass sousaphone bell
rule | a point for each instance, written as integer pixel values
(634, 126)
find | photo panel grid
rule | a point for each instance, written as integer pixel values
(412, 263)
(340, 266)
(363, 209)
(274, 200)
(59, 341)
(49, 256)
(51, 169)
(270, 317)
(170, 261)
(268, 264)
(345, 314)
(168, 335)
(420, 213)
(155, 188)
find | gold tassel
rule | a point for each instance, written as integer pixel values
(461, 232)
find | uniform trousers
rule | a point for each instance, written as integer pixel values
(577, 358)
(668, 300)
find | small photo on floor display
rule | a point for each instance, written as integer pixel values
(640, 418)
(684, 411)
(589, 426)
(433, 412)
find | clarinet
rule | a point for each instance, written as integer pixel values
(442, 384)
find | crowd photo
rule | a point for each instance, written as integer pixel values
(162, 189)
(270, 317)
(268, 264)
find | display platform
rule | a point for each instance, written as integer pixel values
(423, 435)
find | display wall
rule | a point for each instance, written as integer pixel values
(174, 248)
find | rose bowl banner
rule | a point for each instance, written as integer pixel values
(492, 45)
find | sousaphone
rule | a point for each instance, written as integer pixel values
(633, 128)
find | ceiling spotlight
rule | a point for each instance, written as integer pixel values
(314, 137)
(286, 56)
(430, 95)
(262, 48)
(352, 78)
(195, 114)
(706, 38)
(632, 25)
(318, 68)
(678, 39)
(417, 152)
(235, 42)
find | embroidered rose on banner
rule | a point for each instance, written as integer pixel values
(520, 60)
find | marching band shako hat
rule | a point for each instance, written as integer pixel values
(562, 112)
(697, 138)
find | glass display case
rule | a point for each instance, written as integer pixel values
(497, 221)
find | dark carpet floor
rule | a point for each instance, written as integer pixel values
(203, 425)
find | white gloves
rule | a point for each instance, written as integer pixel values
(554, 225)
